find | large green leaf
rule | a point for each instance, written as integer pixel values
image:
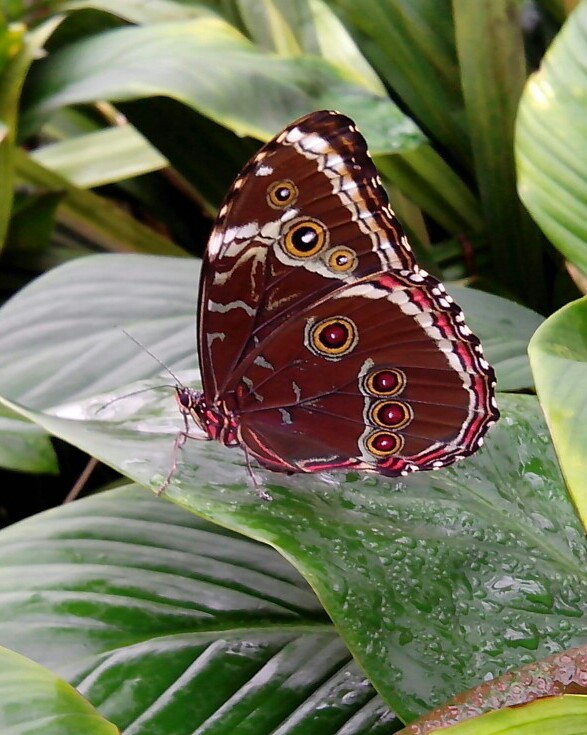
(558, 355)
(137, 11)
(169, 624)
(434, 582)
(311, 27)
(62, 337)
(208, 65)
(492, 546)
(35, 701)
(551, 141)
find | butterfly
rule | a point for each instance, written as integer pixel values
(322, 344)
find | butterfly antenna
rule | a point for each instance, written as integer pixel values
(133, 393)
(148, 351)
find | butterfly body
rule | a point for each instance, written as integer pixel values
(322, 344)
(214, 420)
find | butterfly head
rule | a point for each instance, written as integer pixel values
(214, 420)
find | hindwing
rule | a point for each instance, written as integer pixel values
(382, 374)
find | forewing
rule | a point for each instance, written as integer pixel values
(306, 214)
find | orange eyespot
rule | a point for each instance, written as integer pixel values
(331, 338)
(384, 443)
(281, 194)
(341, 260)
(391, 414)
(304, 238)
(386, 382)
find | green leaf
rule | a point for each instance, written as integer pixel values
(24, 446)
(551, 141)
(97, 218)
(17, 52)
(429, 182)
(269, 27)
(410, 43)
(208, 65)
(33, 700)
(170, 624)
(558, 355)
(311, 27)
(99, 158)
(493, 71)
(137, 11)
(61, 336)
(420, 566)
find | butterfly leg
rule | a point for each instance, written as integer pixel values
(180, 439)
(259, 489)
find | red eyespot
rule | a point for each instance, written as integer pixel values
(331, 338)
(392, 414)
(386, 382)
(384, 443)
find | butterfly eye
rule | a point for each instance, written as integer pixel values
(391, 414)
(184, 398)
(388, 382)
(331, 338)
(384, 443)
(281, 194)
(305, 238)
(341, 260)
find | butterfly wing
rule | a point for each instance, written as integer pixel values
(306, 214)
(382, 374)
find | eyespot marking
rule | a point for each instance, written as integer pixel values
(282, 193)
(341, 260)
(382, 444)
(331, 338)
(304, 238)
(391, 414)
(385, 382)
